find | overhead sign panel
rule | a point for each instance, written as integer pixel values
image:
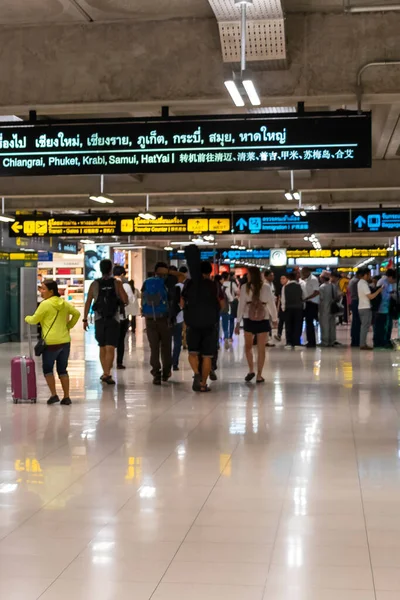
(186, 224)
(95, 225)
(226, 143)
(314, 222)
(64, 225)
(381, 221)
(174, 224)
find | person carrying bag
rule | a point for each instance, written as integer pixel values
(56, 317)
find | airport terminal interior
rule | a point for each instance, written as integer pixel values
(213, 156)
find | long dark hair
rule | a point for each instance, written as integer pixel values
(255, 284)
(52, 286)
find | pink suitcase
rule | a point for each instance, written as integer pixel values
(23, 377)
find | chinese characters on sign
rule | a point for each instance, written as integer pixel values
(231, 143)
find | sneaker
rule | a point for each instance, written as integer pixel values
(175, 368)
(298, 347)
(213, 376)
(289, 347)
(278, 338)
(53, 400)
(366, 348)
(157, 380)
(196, 386)
(226, 344)
(66, 401)
(269, 345)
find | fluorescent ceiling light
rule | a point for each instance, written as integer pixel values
(288, 196)
(147, 216)
(131, 247)
(272, 110)
(168, 248)
(251, 92)
(8, 118)
(86, 241)
(303, 213)
(296, 195)
(296, 213)
(234, 92)
(102, 199)
(6, 219)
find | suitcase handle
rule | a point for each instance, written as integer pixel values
(30, 342)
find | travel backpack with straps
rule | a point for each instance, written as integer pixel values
(107, 303)
(155, 298)
(256, 309)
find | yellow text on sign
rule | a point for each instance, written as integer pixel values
(196, 225)
(220, 225)
(126, 225)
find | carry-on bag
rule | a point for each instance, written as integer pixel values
(23, 376)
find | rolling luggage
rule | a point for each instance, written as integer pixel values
(23, 376)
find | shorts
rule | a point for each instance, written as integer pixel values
(107, 332)
(256, 327)
(202, 341)
(56, 354)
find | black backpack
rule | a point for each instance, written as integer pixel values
(107, 304)
(201, 303)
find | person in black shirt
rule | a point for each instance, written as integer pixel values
(201, 315)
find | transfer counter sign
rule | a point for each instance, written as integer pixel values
(174, 145)
(175, 224)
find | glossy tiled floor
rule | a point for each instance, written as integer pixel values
(287, 491)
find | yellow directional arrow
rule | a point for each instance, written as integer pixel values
(16, 227)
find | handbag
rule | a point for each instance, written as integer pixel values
(336, 308)
(40, 347)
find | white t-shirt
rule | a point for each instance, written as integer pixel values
(130, 309)
(363, 291)
(179, 316)
(311, 286)
(231, 290)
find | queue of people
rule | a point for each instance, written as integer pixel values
(188, 306)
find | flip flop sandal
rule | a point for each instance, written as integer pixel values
(249, 377)
(262, 380)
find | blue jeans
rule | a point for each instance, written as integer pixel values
(228, 325)
(177, 337)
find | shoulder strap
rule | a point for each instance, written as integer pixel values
(51, 326)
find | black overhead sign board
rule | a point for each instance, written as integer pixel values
(175, 145)
(130, 224)
(172, 224)
(286, 222)
(375, 221)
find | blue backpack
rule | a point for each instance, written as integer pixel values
(155, 298)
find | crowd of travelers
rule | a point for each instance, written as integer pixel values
(190, 306)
